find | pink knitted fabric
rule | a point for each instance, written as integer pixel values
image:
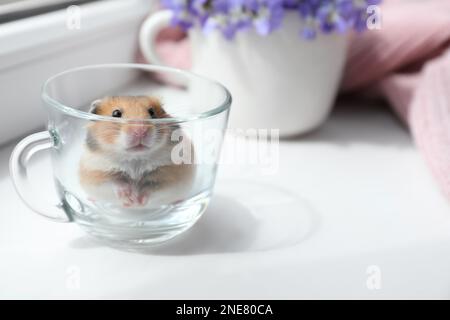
(407, 62)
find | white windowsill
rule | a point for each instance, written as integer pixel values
(372, 203)
(35, 48)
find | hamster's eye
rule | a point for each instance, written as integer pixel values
(151, 112)
(117, 113)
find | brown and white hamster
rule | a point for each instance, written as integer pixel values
(130, 163)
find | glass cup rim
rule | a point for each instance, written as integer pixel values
(225, 105)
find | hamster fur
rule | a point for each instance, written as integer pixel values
(130, 163)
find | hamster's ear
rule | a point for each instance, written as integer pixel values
(94, 106)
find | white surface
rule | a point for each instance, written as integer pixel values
(352, 195)
(251, 65)
(35, 48)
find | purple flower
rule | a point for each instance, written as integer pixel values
(265, 16)
(219, 22)
(269, 17)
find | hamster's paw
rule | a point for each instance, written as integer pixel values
(126, 194)
(143, 197)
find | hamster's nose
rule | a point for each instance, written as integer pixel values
(139, 131)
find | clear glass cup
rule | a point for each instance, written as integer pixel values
(134, 150)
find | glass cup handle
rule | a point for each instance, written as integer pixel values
(18, 162)
(148, 33)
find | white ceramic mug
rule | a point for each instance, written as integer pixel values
(279, 81)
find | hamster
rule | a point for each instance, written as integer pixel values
(130, 163)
